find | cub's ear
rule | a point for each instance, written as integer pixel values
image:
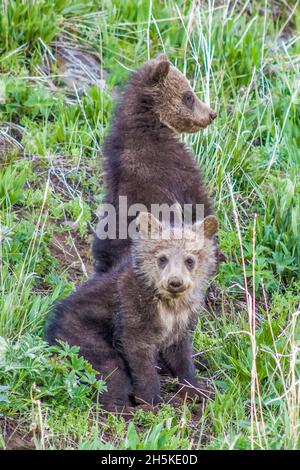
(209, 226)
(161, 57)
(148, 226)
(160, 71)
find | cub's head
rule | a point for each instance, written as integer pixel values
(175, 102)
(176, 261)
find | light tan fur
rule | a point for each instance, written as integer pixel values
(176, 310)
(169, 93)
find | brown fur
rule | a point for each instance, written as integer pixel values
(143, 157)
(140, 312)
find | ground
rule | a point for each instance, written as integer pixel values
(62, 65)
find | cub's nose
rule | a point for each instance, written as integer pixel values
(175, 285)
(212, 114)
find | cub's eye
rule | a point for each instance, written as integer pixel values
(188, 99)
(162, 261)
(190, 263)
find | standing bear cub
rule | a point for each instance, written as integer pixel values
(142, 312)
(144, 159)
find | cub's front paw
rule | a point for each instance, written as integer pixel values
(146, 398)
(145, 408)
(195, 390)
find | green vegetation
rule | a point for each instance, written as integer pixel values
(243, 58)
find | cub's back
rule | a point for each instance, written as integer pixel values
(87, 312)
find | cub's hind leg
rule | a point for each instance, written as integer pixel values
(112, 368)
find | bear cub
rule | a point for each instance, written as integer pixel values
(144, 158)
(142, 312)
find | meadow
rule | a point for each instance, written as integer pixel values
(62, 65)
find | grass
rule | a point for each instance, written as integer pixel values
(243, 58)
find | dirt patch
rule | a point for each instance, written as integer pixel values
(10, 141)
(16, 434)
(19, 434)
(79, 69)
(6, 149)
(73, 254)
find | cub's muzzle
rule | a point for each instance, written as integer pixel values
(176, 285)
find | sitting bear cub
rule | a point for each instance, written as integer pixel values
(141, 313)
(144, 159)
